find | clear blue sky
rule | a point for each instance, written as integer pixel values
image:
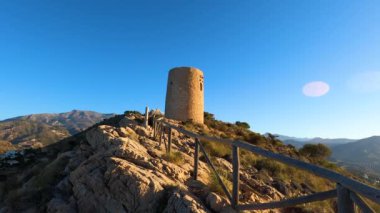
(110, 56)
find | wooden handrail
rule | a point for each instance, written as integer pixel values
(346, 187)
(215, 172)
(361, 203)
(289, 202)
(358, 187)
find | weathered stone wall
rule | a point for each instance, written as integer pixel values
(185, 94)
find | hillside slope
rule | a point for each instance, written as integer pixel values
(39, 130)
(116, 166)
(363, 155)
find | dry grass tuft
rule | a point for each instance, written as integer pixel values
(174, 157)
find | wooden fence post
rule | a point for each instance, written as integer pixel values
(161, 133)
(345, 204)
(146, 121)
(235, 176)
(156, 124)
(196, 159)
(169, 140)
(154, 128)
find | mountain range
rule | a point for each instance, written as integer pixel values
(359, 156)
(299, 142)
(39, 130)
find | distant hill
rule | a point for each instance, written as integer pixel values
(285, 138)
(299, 142)
(362, 155)
(42, 129)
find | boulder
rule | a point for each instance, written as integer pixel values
(281, 187)
(218, 204)
(126, 132)
(142, 131)
(182, 201)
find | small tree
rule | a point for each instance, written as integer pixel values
(316, 151)
(273, 139)
(209, 116)
(128, 112)
(244, 125)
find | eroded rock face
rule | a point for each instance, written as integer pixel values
(218, 204)
(127, 174)
(112, 184)
(122, 176)
(181, 201)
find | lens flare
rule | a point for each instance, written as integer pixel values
(316, 89)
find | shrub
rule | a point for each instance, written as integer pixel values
(128, 112)
(248, 159)
(255, 138)
(191, 126)
(315, 151)
(244, 125)
(209, 116)
(217, 149)
(273, 140)
(6, 146)
(215, 185)
(271, 166)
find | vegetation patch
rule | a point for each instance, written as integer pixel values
(51, 173)
(174, 157)
(304, 182)
(214, 184)
(315, 151)
(6, 146)
(217, 149)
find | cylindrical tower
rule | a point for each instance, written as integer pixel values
(185, 95)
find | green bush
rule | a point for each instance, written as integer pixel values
(244, 125)
(128, 112)
(271, 166)
(208, 116)
(273, 140)
(315, 151)
(255, 139)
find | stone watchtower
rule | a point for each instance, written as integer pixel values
(185, 95)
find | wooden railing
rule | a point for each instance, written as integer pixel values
(347, 190)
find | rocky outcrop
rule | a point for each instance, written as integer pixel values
(123, 175)
(119, 167)
(181, 201)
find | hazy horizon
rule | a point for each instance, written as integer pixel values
(295, 68)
